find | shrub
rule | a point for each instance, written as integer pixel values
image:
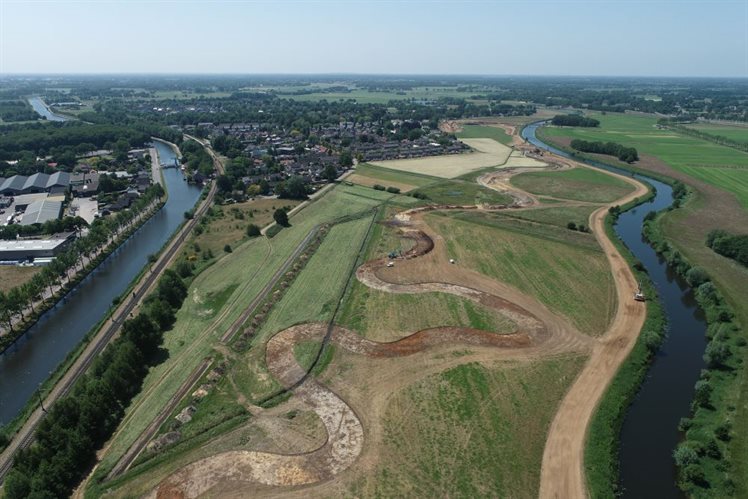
(722, 432)
(685, 455)
(227, 248)
(571, 226)
(253, 230)
(703, 393)
(378, 187)
(716, 354)
(697, 276)
(393, 190)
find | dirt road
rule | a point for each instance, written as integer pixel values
(562, 473)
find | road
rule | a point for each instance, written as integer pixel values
(562, 473)
(25, 435)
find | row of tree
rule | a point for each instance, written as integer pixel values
(729, 245)
(627, 154)
(574, 120)
(19, 301)
(79, 424)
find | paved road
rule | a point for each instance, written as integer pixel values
(25, 435)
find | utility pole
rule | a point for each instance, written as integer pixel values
(41, 402)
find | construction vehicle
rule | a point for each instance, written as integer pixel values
(639, 295)
(390, 264)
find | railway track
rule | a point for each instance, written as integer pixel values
(25, 436)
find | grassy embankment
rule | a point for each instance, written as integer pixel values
(580, 184)
(217, 298)
(693, 160)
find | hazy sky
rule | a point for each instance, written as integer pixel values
(530, 37)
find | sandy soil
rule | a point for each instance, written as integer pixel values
(487, 152)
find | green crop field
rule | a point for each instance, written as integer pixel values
(463, 193)
(718, 165)
(580, 184)
(363, 96)
(489, 132)
(733, 132)
(471, 431)
(563, 269)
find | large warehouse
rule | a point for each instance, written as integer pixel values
(24, 249)
(41, 211)
(38, 182)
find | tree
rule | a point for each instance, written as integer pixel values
(703, 393)
(294, 188)
(253, 230)
(224, 183)
(330, 173)
(227, 248)
(281, 217)
(346, 160)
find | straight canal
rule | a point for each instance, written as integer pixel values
(37, 354)
(650, 428)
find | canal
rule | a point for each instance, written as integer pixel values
(41, 108)
(37, 354)
(650, 428)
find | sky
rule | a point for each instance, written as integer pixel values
(518, 37)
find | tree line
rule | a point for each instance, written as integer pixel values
(627, 154)
(729, 245)
(20, 300)
(574, 120)
(79, 424)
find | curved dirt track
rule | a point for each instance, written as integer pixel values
(425, 268)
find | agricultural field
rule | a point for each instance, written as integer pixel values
(364, 96)
(463, 192)
(486, 152)
(721, 166)
(370, 175)
(442, 433)
(579, 184)
(484, 131)
(554, 264)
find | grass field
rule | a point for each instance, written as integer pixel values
(484, 131)
(559, 216)
(228, 224)
(364, 96)
(326, 273)
(580, 184)
(733, 132)
(471, 431)
(12, 276)
(369, 175)
(463, 192)
(487, 152)
(563, 269)
(200, 322)
(721, 166)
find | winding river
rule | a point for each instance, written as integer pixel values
(650, 428)
(34, 356)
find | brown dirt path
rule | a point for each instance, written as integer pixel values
(562, 473)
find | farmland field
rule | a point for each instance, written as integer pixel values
(369, 175)
(487, 152)
(556, 265)
(471, 431)
(721, 166)
(580, 184)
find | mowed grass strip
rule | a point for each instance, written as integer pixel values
(579, 184)
(471, 431)
(311, 298)
(484, 131)
(563, 269)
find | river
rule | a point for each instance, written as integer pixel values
(650, 428)
(41, 108)
(34, 356)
